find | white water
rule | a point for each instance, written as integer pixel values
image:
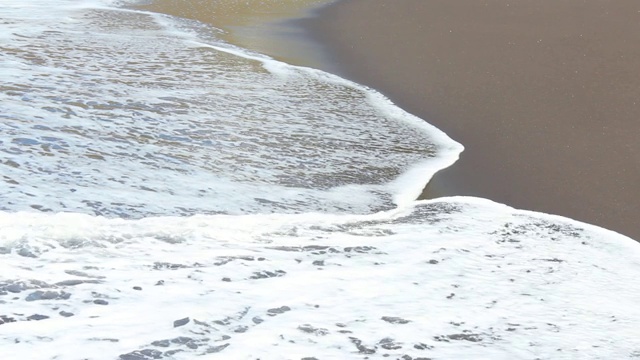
(152, 173)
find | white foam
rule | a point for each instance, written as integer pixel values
(136, 115)
(128, 101)
(456, 277)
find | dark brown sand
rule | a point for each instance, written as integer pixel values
(543, 94)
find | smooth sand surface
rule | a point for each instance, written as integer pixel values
(543, 94)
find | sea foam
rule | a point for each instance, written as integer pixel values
(168, 195)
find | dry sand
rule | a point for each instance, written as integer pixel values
(544, 94)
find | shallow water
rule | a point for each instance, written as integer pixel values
(131, 103)
(167, 195)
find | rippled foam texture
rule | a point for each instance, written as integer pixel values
(115, 113)
(441, 279)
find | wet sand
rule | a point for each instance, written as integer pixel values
(544, 95)
(269, 27)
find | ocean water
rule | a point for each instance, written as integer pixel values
(166, 195)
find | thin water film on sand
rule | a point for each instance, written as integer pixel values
(169, 196)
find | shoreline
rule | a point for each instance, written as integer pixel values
(545, 97)
(345, 38)
(272, 28)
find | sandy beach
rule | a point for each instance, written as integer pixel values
(544, 95)
(170, 193)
